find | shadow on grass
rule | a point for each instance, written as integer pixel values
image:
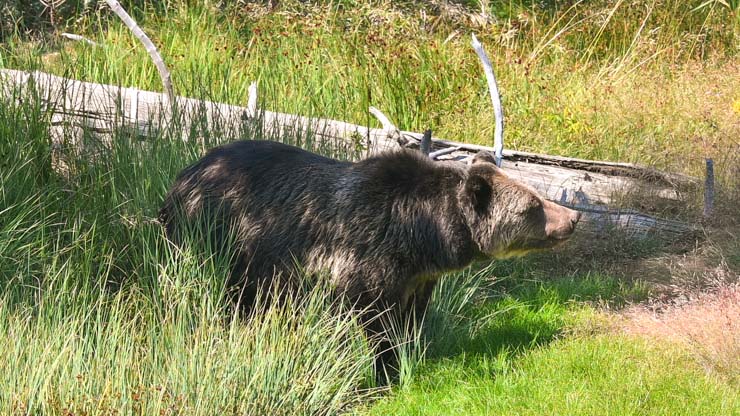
(529, 313)
(528, 302)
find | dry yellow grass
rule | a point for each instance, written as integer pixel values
(707, 325)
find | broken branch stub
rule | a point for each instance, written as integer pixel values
(426, 142)
(709, 189)
(252, 101)
(384, 121)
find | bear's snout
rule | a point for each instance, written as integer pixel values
(560, 221)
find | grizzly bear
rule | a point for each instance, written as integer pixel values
(384, 228)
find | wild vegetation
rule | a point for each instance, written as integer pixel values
(99, 314)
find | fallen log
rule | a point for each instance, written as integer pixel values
(78, 106)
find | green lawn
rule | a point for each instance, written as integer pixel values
(583, 375)
(543, 351)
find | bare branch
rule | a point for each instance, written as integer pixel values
(78, 38)
(404, 139)
(387, 125)
(441, 152)
(392, 132)
(164, 73)
(498, 142)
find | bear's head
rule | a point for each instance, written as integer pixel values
(507, 218)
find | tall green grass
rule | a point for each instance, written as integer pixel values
(648, 81)
(100, 313)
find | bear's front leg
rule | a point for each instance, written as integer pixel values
(420, 301)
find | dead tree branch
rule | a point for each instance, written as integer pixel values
(78, 38)
(164, 73)
(498, 110)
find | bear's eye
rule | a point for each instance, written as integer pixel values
(533, 207)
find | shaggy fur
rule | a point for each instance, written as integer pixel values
(384, 228)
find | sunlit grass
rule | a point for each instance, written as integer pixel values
(539, 349)
(98, 312)
(650, 83)
(577, 376)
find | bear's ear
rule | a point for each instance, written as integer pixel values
(484, 157)
(479, 192)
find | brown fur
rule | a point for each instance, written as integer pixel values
(384, 228)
